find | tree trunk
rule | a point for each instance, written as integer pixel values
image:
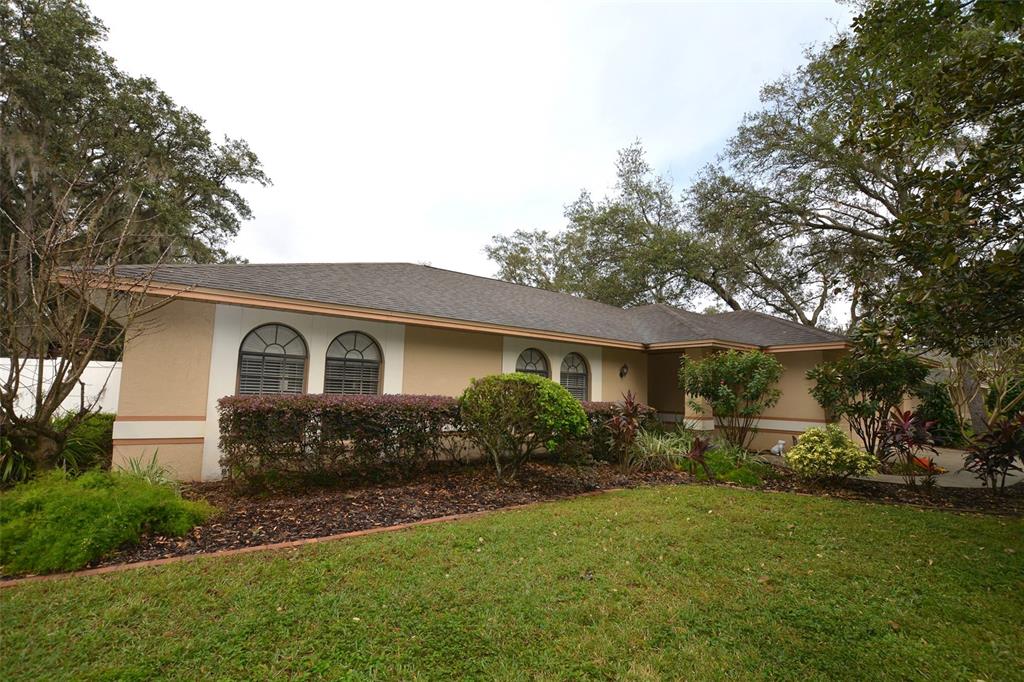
(976, 407)
(45, 451)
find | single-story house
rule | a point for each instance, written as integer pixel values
(415, 329)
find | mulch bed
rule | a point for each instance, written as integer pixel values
(972, 500)
(249, 521)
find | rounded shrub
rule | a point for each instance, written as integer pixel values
(828, 453)
(510, 417)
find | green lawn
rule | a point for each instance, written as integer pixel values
(682, 582)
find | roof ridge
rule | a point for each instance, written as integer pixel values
(288, 264)
(520, 284)
(680, 312)
(792, 323)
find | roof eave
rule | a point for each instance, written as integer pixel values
(212, 295)
(228, 297)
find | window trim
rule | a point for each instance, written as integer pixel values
(380, 363)
(588, 373)
(542, 354)
(305, 358)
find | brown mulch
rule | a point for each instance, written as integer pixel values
(969, 500)
(248, 521)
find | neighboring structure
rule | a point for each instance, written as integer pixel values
(403, 328)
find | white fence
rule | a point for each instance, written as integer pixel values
(101, 382)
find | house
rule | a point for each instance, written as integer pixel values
(404, 328)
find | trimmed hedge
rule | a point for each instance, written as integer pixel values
(273, 439)
(266, 439)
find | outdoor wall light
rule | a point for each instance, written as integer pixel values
(623, 371)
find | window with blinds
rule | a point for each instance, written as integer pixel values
(272, 360)
(532, 361)
(574, 375)
(353, 365)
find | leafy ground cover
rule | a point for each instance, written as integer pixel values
(56, 522)
(691, 582)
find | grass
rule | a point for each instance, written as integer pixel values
(681, 582)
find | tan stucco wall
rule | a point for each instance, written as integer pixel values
(612, 386)
(165, 374)
(166, 366)
(442, 361)
(796, 401)
(183, 460)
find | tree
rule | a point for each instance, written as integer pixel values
(75, 126)
(643, 245)
(885, 173)
(867, 384)
(949, 75)
(97, 169)
(738, 386)
(988, 382)
(900, 143)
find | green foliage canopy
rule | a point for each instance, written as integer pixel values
(80, 136)
(865, 385)
(738, 386)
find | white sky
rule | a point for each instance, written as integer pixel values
(415, 132)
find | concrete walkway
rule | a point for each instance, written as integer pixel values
(955, 477)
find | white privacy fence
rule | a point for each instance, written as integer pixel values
(99, 385)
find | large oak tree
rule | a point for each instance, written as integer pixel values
(97, 168)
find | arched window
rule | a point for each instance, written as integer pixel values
(574, 375)
(353, 365)
(532, 361)
(272, 359)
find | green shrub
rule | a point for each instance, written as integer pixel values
(738, 386)
(937, 407)
(829, 454)
(723, 461)
(14, 466)
(659, 450)
(89, 443)
(866, 385)
(510, 417)
(600, 444)
(149, 471)
(623, 427)
(58, 523)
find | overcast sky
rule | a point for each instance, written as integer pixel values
(415, 132)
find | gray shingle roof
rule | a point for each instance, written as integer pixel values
(425, 290)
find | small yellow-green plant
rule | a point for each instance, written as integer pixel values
(829, 453)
